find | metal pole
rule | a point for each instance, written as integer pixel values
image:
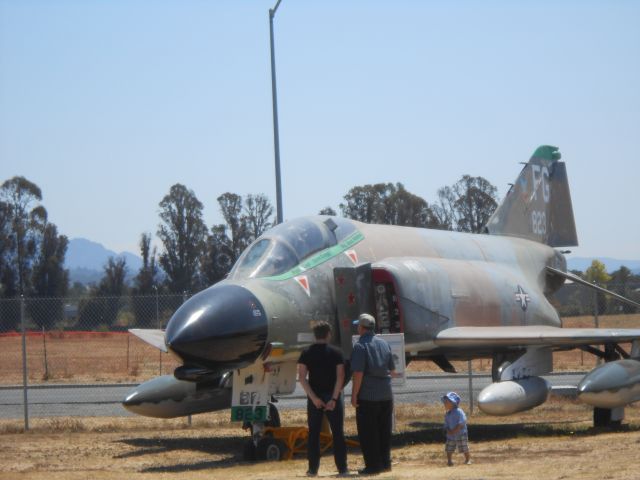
(595, 308)
(469, 368)
(44, 346)
(274, 98)
(24, 364)
(158, 323)
(596, 321)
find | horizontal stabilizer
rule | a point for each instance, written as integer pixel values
(153, 336)
(495, 337)
(582, 281)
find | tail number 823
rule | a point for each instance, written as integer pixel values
(539, 222)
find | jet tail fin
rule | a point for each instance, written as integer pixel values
(538, 206)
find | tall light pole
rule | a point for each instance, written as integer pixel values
(274, 97)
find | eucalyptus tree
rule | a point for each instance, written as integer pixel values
(597, 273)
(404, 208)
(105, 300)
(258, 213)
(624, 282)
(388, 203)
(244, 222)
(145, 282)
(183, 234)
(366, 203)
(466, 205)
(24, 221)
(327, 211)
(145, 291)
(50, 280)
(236, 223)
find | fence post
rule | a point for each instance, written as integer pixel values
(469, 369)
(44, 347)
(596, 321)
(158, 322)
(24, 364)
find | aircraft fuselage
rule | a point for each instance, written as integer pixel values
(439, 279)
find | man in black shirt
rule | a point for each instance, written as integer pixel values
(323, 364)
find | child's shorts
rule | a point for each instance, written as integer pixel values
(462, 442)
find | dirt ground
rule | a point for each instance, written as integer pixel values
(554, 441)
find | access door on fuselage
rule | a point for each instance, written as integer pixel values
(363, 289)
(388, 312)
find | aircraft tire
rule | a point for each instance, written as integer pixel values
(271, 449)
(274, 416)
(249, 451)
(601, 417)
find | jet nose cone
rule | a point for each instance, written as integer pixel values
(221, 328)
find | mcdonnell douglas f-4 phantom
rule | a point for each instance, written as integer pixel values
(454, 296)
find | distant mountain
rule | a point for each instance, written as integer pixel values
(612, 264)
(86, 260)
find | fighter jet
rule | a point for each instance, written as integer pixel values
(454, 296)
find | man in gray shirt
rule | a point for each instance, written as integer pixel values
(372, 366)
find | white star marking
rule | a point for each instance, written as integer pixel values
(522, 298)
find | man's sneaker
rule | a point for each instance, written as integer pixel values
(311, 473)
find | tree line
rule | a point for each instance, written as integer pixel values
(192, 255)
(578, 300)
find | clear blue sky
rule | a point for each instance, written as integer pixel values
(106, 104)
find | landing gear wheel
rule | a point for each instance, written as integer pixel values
(249, 451)
(274, 416)
(602, 417)
(271, 449)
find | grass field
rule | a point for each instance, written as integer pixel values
(554, 441)
(78, 357)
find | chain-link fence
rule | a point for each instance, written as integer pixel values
(83, 340)
(76, 355)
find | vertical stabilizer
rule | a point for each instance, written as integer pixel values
(538, 206)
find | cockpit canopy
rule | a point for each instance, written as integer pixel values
(286, 245)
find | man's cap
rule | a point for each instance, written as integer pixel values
(453, 397)
(366, 320)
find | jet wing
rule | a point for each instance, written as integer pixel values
(500, 337)
(153, 336)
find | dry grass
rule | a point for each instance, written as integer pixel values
(82, 357)
(554, 441)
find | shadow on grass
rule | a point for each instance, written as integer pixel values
(432, 432)
(231, 448)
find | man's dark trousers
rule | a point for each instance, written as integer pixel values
(374, 432)
(336, 422)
